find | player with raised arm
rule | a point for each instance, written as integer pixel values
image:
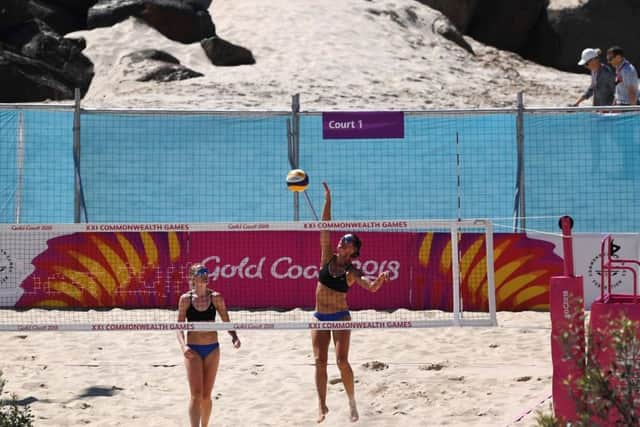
(336, 276)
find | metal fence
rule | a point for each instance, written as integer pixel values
(521, 167)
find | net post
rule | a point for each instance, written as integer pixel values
(491, 285)
(455, 271)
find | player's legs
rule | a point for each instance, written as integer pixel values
(195, 375)
(341, 340)
(320, 341)
(210, 365)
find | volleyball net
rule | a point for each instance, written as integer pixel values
(116, 277)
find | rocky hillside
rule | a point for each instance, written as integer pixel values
(368, 54)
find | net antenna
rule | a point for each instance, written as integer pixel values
(122, 277)
(313, 210)
(456, 238)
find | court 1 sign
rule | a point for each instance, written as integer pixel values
(363, 125)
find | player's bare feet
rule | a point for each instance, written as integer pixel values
(322, 413)
(354, 411)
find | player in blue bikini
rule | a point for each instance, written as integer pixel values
(201, 348)
(335, 277)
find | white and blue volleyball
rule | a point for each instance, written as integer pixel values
(297, 180)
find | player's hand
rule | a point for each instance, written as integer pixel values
(236, 342)
(327, 191)
(188, 353)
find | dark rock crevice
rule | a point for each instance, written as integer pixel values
(549, 37)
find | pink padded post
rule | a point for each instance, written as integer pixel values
(566, 306)
(566, 224)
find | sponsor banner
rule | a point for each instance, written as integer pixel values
(586, 254)
(132, 267)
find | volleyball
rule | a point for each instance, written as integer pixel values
(297, 180)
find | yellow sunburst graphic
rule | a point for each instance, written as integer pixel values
(91, 270)
(523, 268)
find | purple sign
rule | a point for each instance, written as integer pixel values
(363, 125)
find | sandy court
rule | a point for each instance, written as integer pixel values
(428, 377)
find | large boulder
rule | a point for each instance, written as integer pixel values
(12, 13)
(553, 37)
(506, 24)
(223, 53)
(156, 65)
(64, 16)
(25, 79)
(185, 25)
(81, 6)
(38, 64)
(59, 18)
(597, 23)
(106, 13)
(185, 21)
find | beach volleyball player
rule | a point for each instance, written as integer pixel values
(336, 276)
(201, 348)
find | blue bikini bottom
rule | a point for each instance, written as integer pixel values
(331, 317)
(204, 349)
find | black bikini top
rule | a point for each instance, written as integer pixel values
(194, 315)
(337, 283)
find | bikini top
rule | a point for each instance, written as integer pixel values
(194, 315)
(337, 283)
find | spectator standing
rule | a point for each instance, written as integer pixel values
(602, 88)
(626, 77)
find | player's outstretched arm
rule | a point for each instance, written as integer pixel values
(325, 237)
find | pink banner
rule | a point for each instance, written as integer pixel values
(278, 269)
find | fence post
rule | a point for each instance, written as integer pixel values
(76, 156)
(519, 207)
(20, 167)
(79, 204)
(293, 139)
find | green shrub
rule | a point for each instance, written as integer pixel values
(603, 388)
(11, 415)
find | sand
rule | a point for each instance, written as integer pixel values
(454, 376)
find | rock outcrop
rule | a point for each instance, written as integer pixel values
(184, 21)
(36, 62)
(597, 23)
(156, 65)
(550, 37)
(223, 53)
